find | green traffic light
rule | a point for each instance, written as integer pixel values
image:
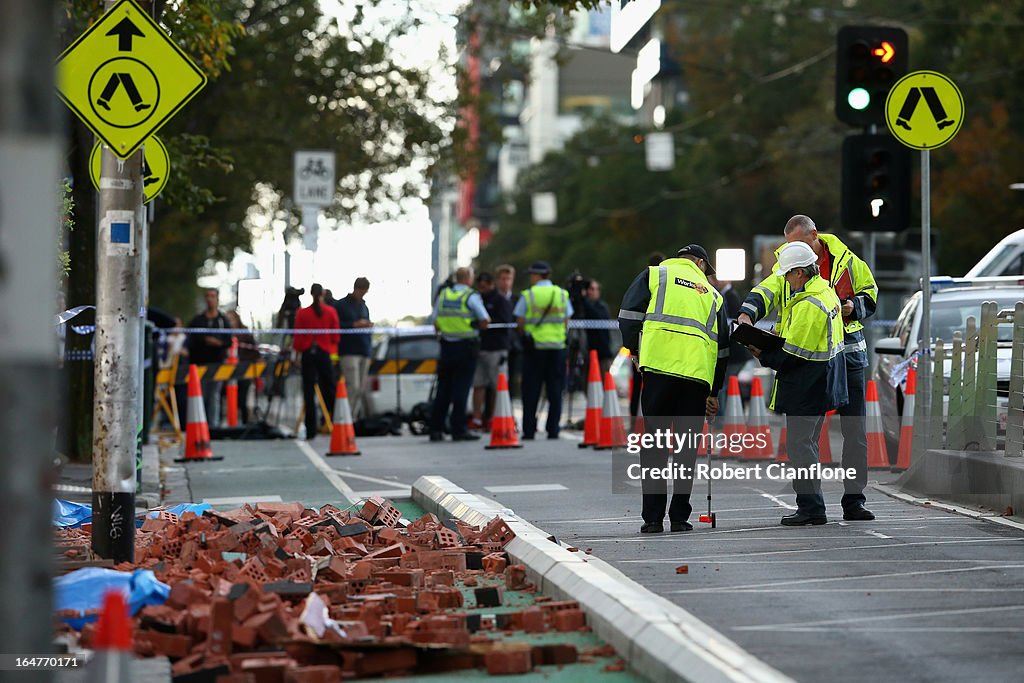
(859, 99)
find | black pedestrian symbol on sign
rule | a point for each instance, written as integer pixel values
(110, 89)
(147, 174)
(931, 98)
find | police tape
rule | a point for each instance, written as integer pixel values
(417, 330)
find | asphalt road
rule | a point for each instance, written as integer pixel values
(917, 595)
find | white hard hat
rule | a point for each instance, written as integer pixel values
(795, 255)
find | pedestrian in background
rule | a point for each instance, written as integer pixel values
(458, 317)
(673, 323)
(810, 367)
(598, 339)
(494, 346)
(636, 385)
(316, 350)
(354, 349)
(206, 348)
(248, 352)
(542, 314)
(505, 275)
(855, 286)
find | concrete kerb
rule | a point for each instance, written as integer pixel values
(659, 639)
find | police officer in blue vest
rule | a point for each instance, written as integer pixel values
(458, 316)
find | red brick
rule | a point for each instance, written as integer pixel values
(185, 593)
(494, 563)
(313, 674)
(243, 636)
(236, 678)
(532, 620)
(569, 620)
(515, 577)
(165, 644)
(554, 654)
(441, 577)
(222, 617)
(508, 658)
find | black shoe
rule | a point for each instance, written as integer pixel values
(436, 436)
(681, 526)
(803, 519)
(467, 436)
(858, 513)
(651, 528)
(552, 436)
(527, 437)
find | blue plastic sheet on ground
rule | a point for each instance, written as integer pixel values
(70, 515)
(182, 508)
(83, 590)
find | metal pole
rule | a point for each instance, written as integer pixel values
(119, 317)
(30, 170)
(924, 375)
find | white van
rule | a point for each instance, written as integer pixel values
(1006, 258)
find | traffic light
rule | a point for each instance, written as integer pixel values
(876, 184)
(869, 60)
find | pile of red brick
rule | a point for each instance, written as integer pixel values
(279, 593)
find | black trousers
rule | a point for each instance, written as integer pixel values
(802, 434)
(855, 438)
(455, 370)
(678, 404)
(543, 367)
(316, 369)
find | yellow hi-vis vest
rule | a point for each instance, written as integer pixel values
(454, 319)
(812, 322)
(680, 331)
(547, 329)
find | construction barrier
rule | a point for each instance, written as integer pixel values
(1015, 399)
(955, 420)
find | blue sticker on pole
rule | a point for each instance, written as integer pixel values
(120, 233)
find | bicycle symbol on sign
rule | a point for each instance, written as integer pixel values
(314, 168)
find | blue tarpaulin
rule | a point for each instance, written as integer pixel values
(70, 515)
(182, 508)
(83, 590)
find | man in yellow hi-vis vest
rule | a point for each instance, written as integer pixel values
(674, 324)
(811, 369)
(855, 286)
(458, 315)
(542, 313)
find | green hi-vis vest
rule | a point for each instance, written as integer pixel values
(812, 322)
(680, 330)
(454, 319)
(775, 291)
(546, 328)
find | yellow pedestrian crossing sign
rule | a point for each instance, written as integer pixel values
(156, 166)
(125, 78)
(924, 110)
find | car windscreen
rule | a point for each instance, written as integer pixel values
(951, 316)
(413, 348)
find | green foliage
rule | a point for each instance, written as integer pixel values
(67, 224)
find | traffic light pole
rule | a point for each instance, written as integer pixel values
(924, 361)
(120, 253)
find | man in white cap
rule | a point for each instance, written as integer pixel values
(811, 369)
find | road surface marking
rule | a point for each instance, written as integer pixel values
(886, 617)
(833, 579)
(878, 535)
(887, 546)
(909, 629)
(241, 500)
(525, 488)
(258, 468)
(867, 592)
(375, 480)
(329, 472)
(942, 506)
(778, 501)
(385, 493)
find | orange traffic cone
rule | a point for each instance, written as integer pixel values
(503, 425)
(783, 454)
(595, 399)
(733, 423)
(112, 644)
(706, 440)
(197, 430)
(613, 433)
(343, 434)
(878, 455)
(232, 389)
(907, 424)
(757, 426)
(825, 442)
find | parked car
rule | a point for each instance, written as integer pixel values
(952, 301)
(1006, 258)
(393, 392)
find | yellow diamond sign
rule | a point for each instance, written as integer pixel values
(125, 78)
(156, 167)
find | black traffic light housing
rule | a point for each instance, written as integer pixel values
(869, 61)
(876, 184)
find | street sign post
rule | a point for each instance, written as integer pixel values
(314, 178)
(925, 110)
(156, 167)
(125, 78)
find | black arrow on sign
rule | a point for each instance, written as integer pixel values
(124, 31)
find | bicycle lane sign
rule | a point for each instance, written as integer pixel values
(314, 178)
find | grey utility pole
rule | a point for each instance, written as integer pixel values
(120, 253)
(30, 153)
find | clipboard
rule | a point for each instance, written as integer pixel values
(748, 335)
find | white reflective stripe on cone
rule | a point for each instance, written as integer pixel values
(196, 409)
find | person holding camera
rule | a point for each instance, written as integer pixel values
(458, 316)
(316, 350)
(542, 315)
